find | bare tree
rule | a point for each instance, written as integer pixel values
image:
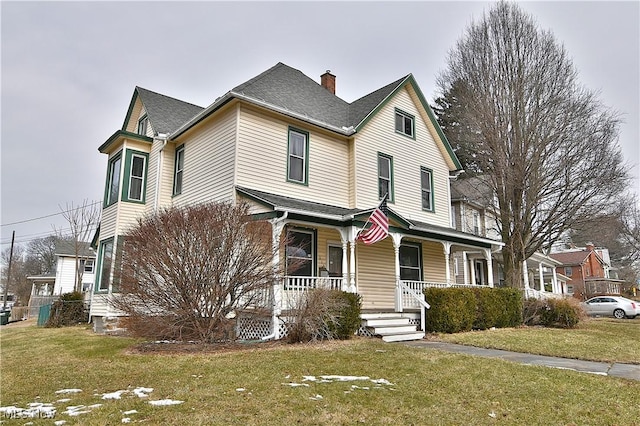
(83, 221)
(549, 145)
(41, 255)
(185, 271)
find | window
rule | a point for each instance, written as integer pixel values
(588, 271)
(300, 253)
(143, 124)
(454, 222)
(385, 176)
(476, 223)
(405, 123)
(135, 167)
(410, 265)
(334, 257)
(113, 180)
(568, 271)
(298, 157)
(104, 265)
(426, 184)
(178, 169)
(88, 266)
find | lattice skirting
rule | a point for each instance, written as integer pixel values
(255, 328)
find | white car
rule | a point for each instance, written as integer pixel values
(616, 306)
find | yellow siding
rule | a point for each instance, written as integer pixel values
(208, 163)
(262, 160)
(376, 274)
(408, 157)
(433, 262)
(326, 236)
(136, 113)
(108, 221)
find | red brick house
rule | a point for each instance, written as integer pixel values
(588, 271)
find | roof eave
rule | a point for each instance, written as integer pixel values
(120, 135)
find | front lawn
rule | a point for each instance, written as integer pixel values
(596, 339)
(265, 385)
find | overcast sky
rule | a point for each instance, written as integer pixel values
(69, 70)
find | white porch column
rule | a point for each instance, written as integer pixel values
(554, 281)
(465, 267)
(472, 264)
(447, 253)
(487, 256)
(352, 263)
(541, 276)
(344, 238)
(525, 274)
(277, 225)
(397, 239)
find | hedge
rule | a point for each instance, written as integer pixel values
(462, 309)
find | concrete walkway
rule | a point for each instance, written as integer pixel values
(626, 371)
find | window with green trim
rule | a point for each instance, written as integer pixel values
(410, 262)
(113, 180)
(178, 170)
(426, 186)
(135, 176)
(143, 125)
(105, 261)
(385, 176)
(298, 156)
(405, 123)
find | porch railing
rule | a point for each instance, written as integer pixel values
(292, 290)
(411, 296)
(293, 283)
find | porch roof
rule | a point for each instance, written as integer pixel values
(341, 216)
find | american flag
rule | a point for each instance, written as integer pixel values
(379, 228)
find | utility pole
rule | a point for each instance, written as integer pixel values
(6, 285)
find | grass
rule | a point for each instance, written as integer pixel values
(596, 339)
(429, 387)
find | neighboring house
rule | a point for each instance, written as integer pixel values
(590, 271)
(474, 210)
(49, 286)
(312, 164)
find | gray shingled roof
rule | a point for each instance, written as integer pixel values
(65, 247)
(293, 203)
(166, 114)
(288, 88)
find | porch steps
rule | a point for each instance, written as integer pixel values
(391, 326)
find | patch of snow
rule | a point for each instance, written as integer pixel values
(113, 395)
(126, 420)
(162, 402)
(382, 382)
(492, 415)
(69, 391)
(59, 422)
(126, 413)
(240, 390)
(345, 378)
(64, 400)
(295, 385)
(142, 392)
(316, 398)
(35, 410)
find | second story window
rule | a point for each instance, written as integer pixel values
(385, 176)
(178, 170)
(143, 125)
(405, 123)
(298, 157)
(88, 266)
(136, 177)
(426, 184)
(568, 271)
(113, 180)
(476, 223)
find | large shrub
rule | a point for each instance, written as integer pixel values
(452, 309)
(497, 307)
(68, 310)
(562, 313)
(323, 314)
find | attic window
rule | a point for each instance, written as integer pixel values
(405, 123)
(143, 124)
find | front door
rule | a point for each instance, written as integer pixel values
(335, 260)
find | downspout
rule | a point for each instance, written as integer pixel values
(162, 137)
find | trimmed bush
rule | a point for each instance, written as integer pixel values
(452, 309)
(324, 314)
(462, 309)
(68, 310)
(562, 313)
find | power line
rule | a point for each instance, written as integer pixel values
(49, 215)
(23, 238)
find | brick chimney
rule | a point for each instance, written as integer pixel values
(590, 246)
(328, 81)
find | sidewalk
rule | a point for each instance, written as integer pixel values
(626, 371)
